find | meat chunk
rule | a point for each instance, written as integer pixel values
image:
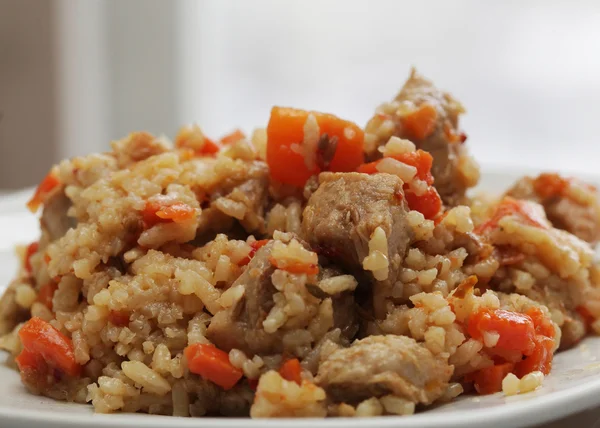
(241, 326)
(381, 365)
(343, 213)
(429, 118)
(570, 204)
(55, 220)
(244, 198)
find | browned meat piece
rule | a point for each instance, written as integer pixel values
(54, 219)
(429, 118)
(342, 215)
(570, 204)
(382, 365)
(241, 326)
(245, 198)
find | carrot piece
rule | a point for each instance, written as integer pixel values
(420, 123)
(193, 138)
(44, 341)
(30, 251)
(254, 247)
(212, 364)
(46, 294)
(368, 168)
(210, 147)
(429, 204)
(154, 213)
(489, 379)
(177, 212)
(119, 318)
(286, 129)
(233, 137)
(308, 269)
(349, 153)
(421, 160)
(291, 370)
(517, 331)
(540, 359)
(548, 185)
(542, 323)
(48, 184)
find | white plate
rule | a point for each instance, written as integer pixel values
(573, 385)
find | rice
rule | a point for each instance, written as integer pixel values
(277, 397)
(145, 377)
(369, 408)
(511, 385)
(158, 261)
(377, 260)
(397, 146)
(391, 166)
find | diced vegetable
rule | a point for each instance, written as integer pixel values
(210, 147)
(41, 341)
(420, 123)
(542, 323)
(30, 251)
(46, 294)
(368, 168)
(48, 184)
(233, 137)
(292, 371)
(154, 213)
(539, 360)
(254, 248)
(517, 331)
(308, 269)
(429, 204)
(520, 335)
(193, 138)
(489, 379)
(212, 364)
(421, 160)
(286, 131)
(548, 185)
(119, 318)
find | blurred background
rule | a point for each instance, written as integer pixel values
(76, 74)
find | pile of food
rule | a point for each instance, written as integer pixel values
(313, 269)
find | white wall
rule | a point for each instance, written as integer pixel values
(528, 72)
